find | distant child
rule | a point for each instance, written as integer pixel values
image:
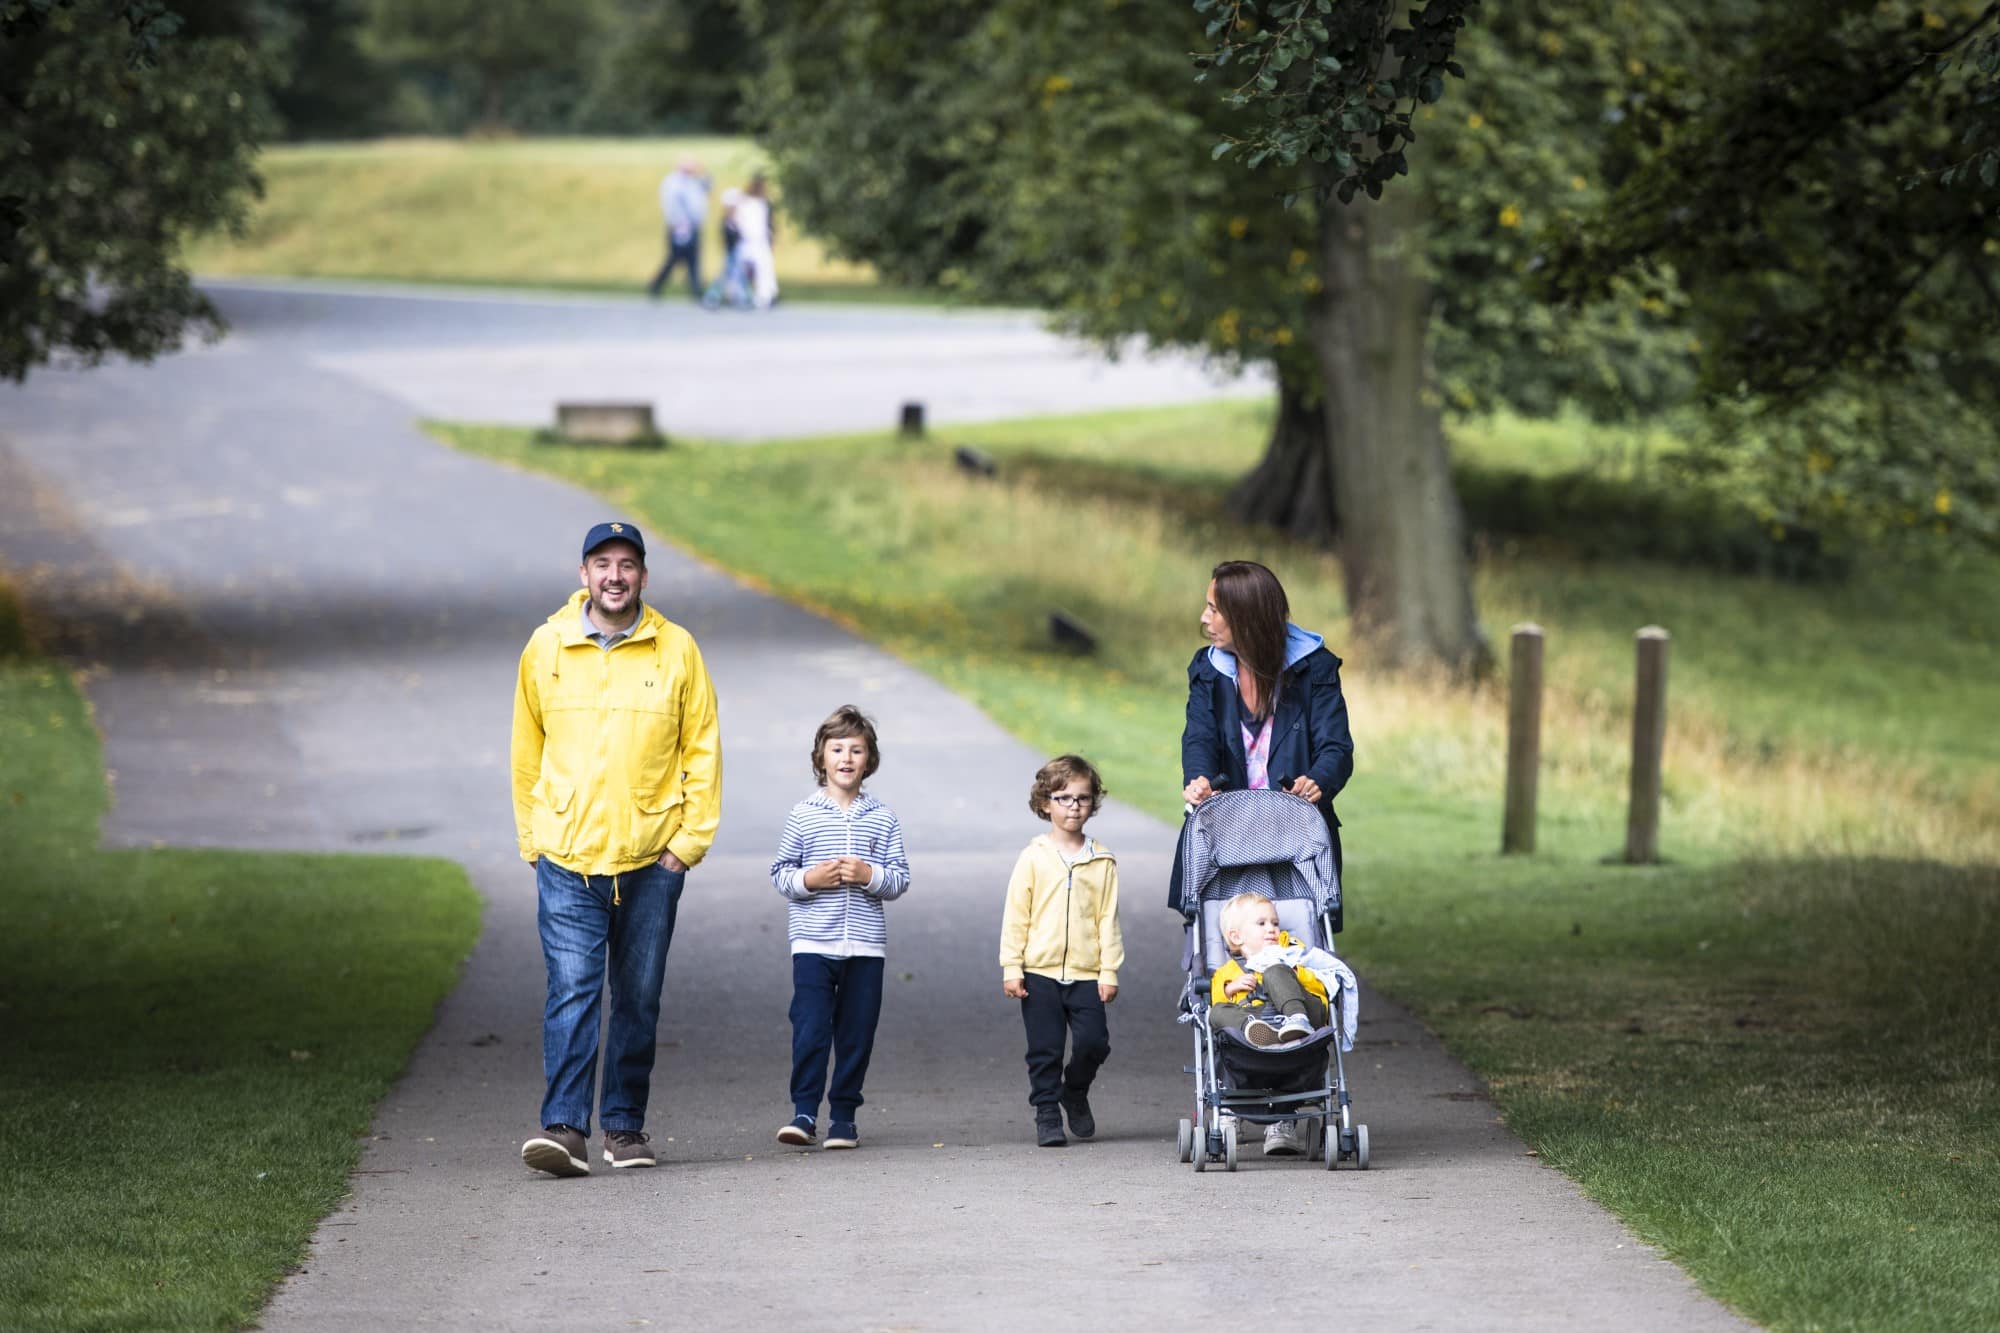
(840, 858)
(1060, 948)
(1281, 1004)
(729, 287)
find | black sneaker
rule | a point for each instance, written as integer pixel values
(560, 1150)
(798, 1132)
(1048, 1128)
(628, 1147)
(1076, 1105)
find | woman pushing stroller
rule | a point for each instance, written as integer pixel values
(1264, 705)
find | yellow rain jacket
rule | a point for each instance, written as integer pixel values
(617, 755)
(1061, 920)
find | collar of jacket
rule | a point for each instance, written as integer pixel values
(1299, 645)
(1094, 850)
(569, 622)
(863, 803)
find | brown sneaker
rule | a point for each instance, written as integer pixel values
(628, 1147)
(559, 1150)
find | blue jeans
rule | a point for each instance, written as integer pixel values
(587, 938)
(835, 1002)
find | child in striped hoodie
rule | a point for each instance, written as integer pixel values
(839, 859)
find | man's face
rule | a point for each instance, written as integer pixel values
(615, 578)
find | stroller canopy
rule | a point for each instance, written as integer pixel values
(1266, 842)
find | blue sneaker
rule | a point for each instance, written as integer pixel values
(842, 1134)
(799, 1133)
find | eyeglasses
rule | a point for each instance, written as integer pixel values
(1069, 802)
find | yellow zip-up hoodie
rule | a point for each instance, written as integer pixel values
(1061, 919)
(617, 755)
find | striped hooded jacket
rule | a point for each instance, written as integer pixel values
(847, 922)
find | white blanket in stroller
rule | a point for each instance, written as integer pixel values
(1333, 974)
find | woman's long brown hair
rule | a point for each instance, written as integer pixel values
(1253, 602)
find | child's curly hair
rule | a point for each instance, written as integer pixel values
(845, 723)
(1058, 773)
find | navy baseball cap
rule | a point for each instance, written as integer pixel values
(614, 532)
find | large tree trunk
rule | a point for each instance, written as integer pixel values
(1292, 487)
(1402, 546)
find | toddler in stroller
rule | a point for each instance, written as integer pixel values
(1258, 865)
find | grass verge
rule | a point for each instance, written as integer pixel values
(193, 1040)
(1772, 1057)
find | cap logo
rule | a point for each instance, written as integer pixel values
(618, 527)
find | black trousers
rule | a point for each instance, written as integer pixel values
(1053, 1011)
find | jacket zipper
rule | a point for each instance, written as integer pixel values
(1069, 890)
(847, 893)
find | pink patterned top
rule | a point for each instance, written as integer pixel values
(1257, 756)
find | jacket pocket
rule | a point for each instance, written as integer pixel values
(656, 816)
(552, 816)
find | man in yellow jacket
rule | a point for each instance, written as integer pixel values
(617, 761)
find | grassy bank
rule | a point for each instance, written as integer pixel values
(563, 214)
(193, 1041)
(1772, 1056)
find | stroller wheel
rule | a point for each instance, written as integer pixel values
(1329, 1145)
(1361, 1146)
(1185, 1142)
(1313, 1132)
(1229, 1145)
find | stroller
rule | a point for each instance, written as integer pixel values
(1275, 844)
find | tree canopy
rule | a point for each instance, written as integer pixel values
(126, 126)
(1816, 189)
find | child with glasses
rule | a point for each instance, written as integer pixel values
(1060, 948)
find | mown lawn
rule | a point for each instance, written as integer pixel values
(568, 214)
(193, 1041)
(1772, 1056)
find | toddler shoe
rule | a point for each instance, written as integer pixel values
(842, 1134)
(798, 1133)
(1261, 1031)
(1296, 1027)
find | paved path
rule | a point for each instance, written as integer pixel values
(304, 618)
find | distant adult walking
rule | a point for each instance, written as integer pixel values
(758, 232)
(684, 205)
(617, 765)
(1264, 704)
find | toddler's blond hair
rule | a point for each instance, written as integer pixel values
(1233, 912)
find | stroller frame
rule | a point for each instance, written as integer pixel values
(1325, 1114)
(1274, 843)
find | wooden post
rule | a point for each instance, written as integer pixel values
(1524, 738)
(912, 424)
(1649, 741)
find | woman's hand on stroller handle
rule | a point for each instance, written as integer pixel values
(1197, 791)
